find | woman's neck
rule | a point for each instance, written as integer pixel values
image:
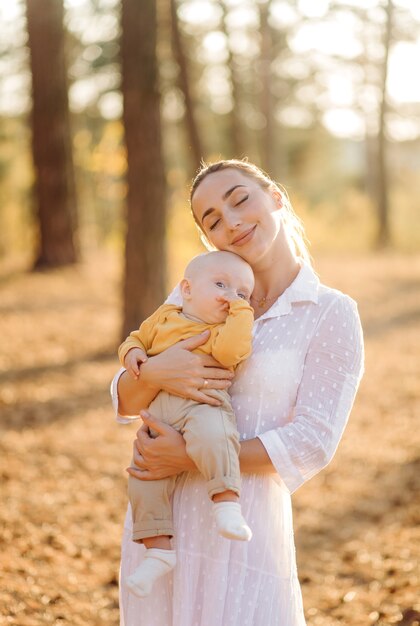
(274, 274)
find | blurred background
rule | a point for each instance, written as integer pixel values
(107, 108)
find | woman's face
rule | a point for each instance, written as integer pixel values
(237, 214)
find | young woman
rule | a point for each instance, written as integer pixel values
(292, 399)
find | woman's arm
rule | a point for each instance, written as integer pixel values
(134, 394)
(254, 459)
(302, 447)
(331, 376)
(178, 371)
(166, 455)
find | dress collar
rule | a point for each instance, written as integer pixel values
(303, 289)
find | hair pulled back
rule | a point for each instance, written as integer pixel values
(293, 225)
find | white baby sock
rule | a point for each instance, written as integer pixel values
(155, 564)
(229, 521)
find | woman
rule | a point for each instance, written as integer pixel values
(291, 398)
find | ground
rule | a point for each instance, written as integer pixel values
(62, 457)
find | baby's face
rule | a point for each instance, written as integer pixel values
(211, 289)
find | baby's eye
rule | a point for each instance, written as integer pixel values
(220, 284)
(213, 226)
(243, 296)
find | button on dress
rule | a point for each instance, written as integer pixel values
(294, 393)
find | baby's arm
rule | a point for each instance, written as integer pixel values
(233, 341)
(133, 351)
(132, 361)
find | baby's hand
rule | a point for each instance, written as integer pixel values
(132, 360)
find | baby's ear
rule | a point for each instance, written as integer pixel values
(185, 288)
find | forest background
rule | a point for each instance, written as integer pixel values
(106, 109)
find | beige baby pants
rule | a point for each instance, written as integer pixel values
(212, 442)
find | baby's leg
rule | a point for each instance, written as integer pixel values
(230, 521)
(152, 525)
(226, 496)
(213, 443)
(162, 542)
(150, 500)
(156, 563)
(151, 509)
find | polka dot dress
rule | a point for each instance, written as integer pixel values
(294, 393)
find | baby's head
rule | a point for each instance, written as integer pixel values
(209, 278)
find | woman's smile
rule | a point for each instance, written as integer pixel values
(244, 237)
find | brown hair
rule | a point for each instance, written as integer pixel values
(294, 226)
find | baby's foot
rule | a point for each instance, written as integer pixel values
(155, 564)
(229, 521)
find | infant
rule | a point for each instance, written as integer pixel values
(215, 290)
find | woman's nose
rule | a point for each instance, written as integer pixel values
(232, 219)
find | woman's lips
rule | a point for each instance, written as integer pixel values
(244, 237)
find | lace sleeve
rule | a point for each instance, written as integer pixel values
(332, 372)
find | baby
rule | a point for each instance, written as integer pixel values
(216, 289)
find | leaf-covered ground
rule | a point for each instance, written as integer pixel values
(62, 457)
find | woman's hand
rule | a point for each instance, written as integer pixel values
(160, 457)
(181, 372)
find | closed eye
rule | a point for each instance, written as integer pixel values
(243, 200)
(214, 224)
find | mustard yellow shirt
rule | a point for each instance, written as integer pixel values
(229, 342)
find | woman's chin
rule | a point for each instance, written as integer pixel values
(245, 253)
(251, 255)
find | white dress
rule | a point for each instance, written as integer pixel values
(295, 393)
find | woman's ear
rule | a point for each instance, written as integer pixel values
(185, 289)
(278, 198)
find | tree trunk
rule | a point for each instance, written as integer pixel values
(194, 139)
(51, 137)
(144, 286)
(236, 129)
(267, 136)
(383, 235)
